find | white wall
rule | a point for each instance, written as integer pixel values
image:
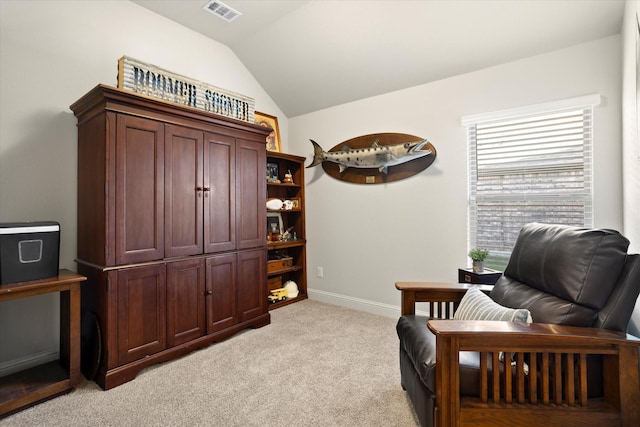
(630, 138)
(631, 124)
(368, 237)
(52, 53)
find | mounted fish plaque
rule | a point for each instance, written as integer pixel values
(375, 159)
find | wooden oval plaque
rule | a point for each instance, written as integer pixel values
(373, 175)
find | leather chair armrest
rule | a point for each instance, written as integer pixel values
(434, 293)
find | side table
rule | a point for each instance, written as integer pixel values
(24, 388)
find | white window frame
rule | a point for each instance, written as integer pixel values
(498, 258)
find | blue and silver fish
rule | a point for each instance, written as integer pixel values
(377, 156)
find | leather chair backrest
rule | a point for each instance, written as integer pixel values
(617, 312)
(571, 276)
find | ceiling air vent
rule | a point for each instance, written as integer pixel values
(221, 10)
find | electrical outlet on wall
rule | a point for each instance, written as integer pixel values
(320, 272)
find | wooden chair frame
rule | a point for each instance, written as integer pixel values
(556, 357)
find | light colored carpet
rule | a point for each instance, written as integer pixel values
(316, 364)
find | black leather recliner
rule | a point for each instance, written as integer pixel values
(564, 276)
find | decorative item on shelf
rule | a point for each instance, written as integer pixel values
(277, 265)
(274, 282)
(280, 254)
(274, 204)
(274, 226)
(272, 173)
(376, 158)
(277, 295)
(296, 203)
(286, 236)
(274, 236)
(287, 205)
(292, 288)
(268, 121)
(288, 178)
(152, 81)
(478, 255)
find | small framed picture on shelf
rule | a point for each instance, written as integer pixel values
(274, 224)
(268, 121)
(272, 172)
(295, 203)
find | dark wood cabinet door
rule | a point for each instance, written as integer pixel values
(251, 194)
(220, 200)
(184, 191)
(185, 301)
(221, 292)
(139, 211)
(141, 295)
(252, 284)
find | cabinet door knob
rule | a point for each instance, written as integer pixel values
(209, 292)
(206, 191)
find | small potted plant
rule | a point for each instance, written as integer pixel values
(478, 255)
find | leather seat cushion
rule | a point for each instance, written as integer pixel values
(420, 345)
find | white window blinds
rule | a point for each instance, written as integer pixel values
(533, 167)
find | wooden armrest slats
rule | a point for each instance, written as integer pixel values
(556, 360)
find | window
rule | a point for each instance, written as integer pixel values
(528, 165)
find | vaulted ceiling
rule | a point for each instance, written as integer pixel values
(314, 54)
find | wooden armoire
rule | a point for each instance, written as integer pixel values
(171, 230)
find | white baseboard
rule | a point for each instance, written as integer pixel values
(368, 306)
(22, 363)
